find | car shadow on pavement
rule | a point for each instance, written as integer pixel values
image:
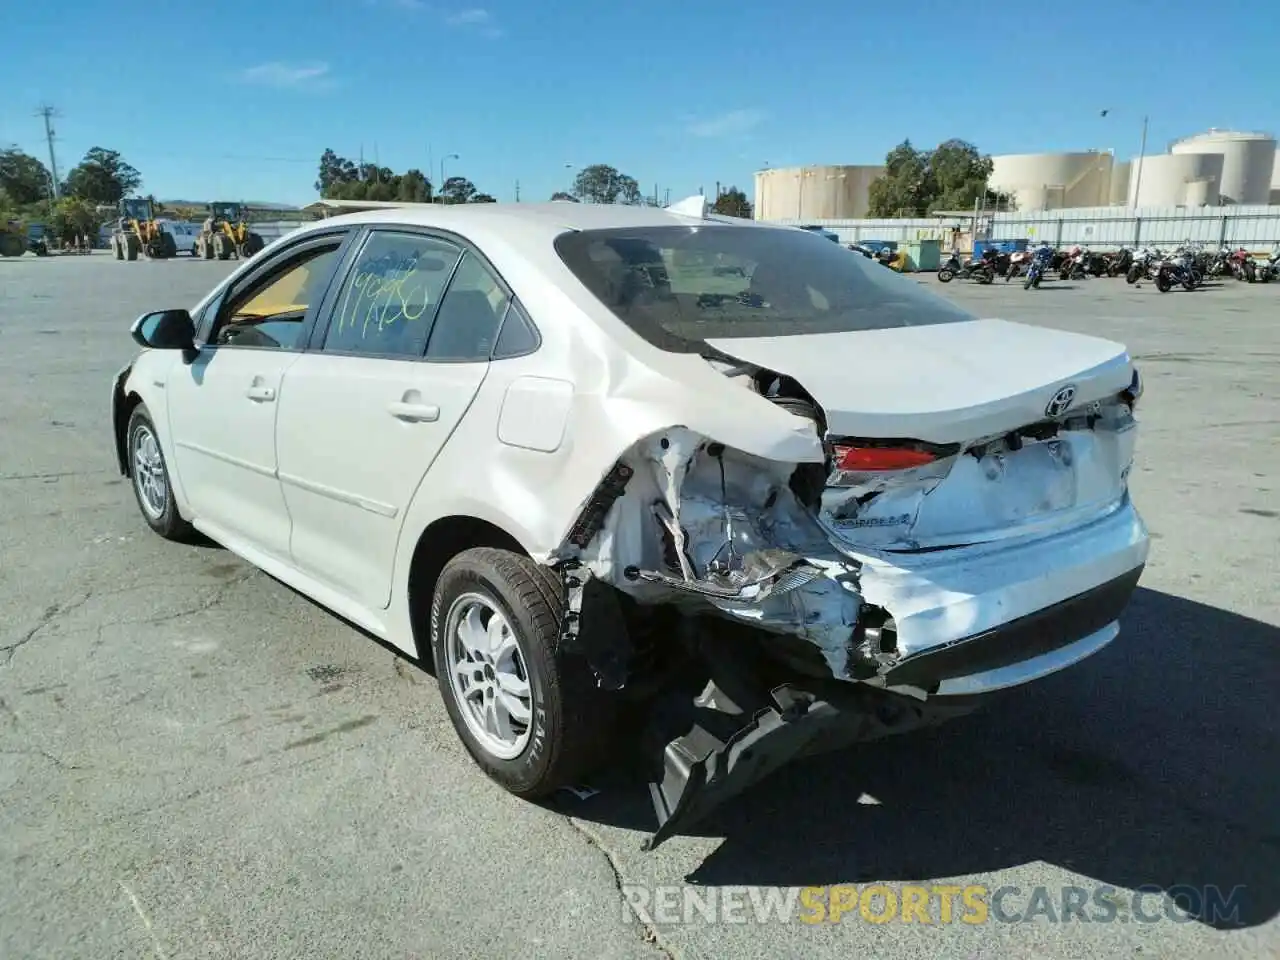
(1155, 763)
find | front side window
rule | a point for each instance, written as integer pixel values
(271, 310)
(679, 286)
(391, 296)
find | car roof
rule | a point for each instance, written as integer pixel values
(530, 221)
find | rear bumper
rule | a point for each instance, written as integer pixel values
(1021, 650)
(972, 610)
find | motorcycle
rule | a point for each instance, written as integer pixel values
(982, 269)
(1035, 269)
(1073, 267)
(1019, 262)
(1144, 266)
(1272, 266)
(1243, 267)
(1118, 263)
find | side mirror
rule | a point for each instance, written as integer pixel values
(165, 330)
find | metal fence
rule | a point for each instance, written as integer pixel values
(1255, 228)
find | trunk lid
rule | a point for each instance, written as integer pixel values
(1034, 435)
(941, 383)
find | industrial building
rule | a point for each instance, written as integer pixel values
(814, 193)
(1215, 168)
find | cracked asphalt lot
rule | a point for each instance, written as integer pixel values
(197, 762)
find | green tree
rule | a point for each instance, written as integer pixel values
(601, 183)
(482, 198)
(918, 182)
(733, 203)
(334, 171)
(72, 217)
(102, 177)
(457, 190)
(23, 178)
(414, 187)
(561, 195)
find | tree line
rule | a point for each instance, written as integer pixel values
(601, 183)
(26, 189)
(344, 179)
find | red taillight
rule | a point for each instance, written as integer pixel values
(880, 458)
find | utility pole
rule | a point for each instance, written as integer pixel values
(517, 191)
(48, 113)
(1142, 152)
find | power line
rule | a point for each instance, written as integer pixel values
(48, 113)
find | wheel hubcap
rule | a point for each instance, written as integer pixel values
(489, 677)
(148, 473)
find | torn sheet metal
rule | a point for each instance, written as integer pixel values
(1046, 478)
(704, 526)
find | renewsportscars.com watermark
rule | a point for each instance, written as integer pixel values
(940, 904)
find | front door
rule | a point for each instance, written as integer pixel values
(363, 417)
(223, 405)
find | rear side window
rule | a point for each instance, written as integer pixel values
(467, 325)
(390, 297)
(679, 286)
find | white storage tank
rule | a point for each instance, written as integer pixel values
(1161, 180)
(1201, 193)
(1121, 173)
(814, 193)
(1047, 181)
(1248, 161)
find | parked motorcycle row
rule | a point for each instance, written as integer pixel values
(1186, 266)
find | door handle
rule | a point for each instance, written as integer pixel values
(260, 393)
(413, 412)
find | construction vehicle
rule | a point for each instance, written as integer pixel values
(37, 239)
(13, 241)
(138, 231)
(226, 234)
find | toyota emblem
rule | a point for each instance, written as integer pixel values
(1061, 401)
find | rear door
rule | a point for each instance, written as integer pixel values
(364, 413)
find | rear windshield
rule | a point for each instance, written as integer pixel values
(680, 286)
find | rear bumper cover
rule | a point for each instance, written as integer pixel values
(700, 771)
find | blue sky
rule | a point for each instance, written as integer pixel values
(246, 95)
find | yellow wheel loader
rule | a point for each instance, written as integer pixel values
(226, 234)
(137, 231)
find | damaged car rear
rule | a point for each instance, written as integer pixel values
(723, 492)
(955, 522)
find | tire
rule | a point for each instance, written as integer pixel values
(253, 244)
(117, 246)
(986, 276)
(1134, 275)
(570, 719)
(1163, 283)
(168, 246)
(1189, 284)
(1028, 283)
(132, 246)
(149, 477)
(945, 276)
(222, 246)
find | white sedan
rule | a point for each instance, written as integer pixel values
(586, 457)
